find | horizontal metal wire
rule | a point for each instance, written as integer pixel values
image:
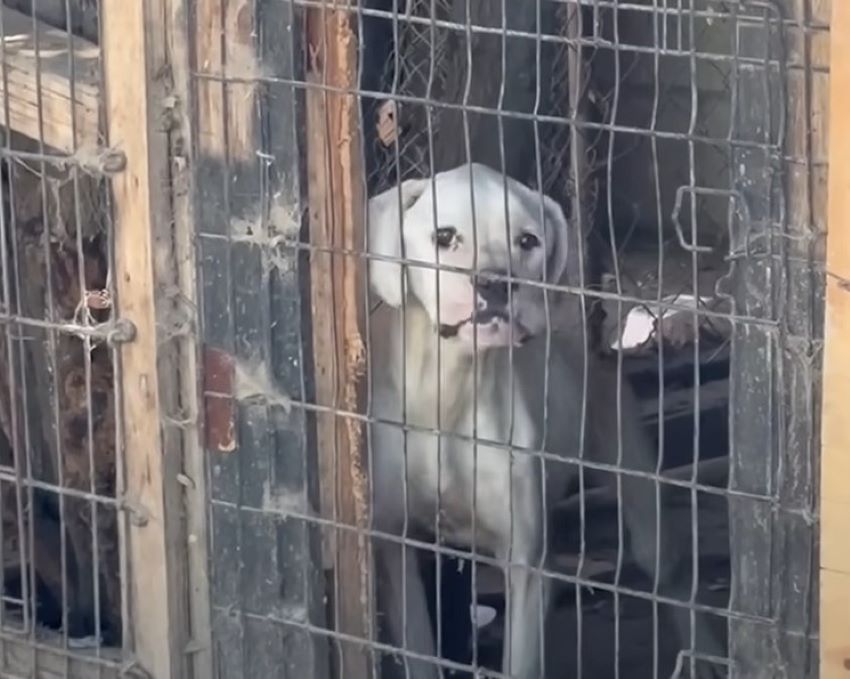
(111, 331)
(581, 463)
(447, 550)
(375, 645)
(499, 113)
(657, 304)
(10, 475)
(745, 63)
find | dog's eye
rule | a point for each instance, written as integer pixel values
(528, 241)
(445, 236)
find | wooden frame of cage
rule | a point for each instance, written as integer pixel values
(835, 460)
(161, 485)
(144, 42)
(135, 48)
(337, 223)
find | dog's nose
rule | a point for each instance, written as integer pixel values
(493, 288)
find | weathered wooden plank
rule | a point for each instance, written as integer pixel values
(776, 373)
(835, 461)
(175, 273)
(337, 197)
(47, 98)
(149, 481)
(248, 197)
(227, 112)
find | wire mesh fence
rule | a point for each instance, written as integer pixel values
(663, 132)
(62, 584)
(510, 315)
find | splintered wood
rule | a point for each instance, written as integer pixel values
(50, 81)
(339, 314)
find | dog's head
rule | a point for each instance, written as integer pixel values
(466, 221)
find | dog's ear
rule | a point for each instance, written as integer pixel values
(386, 220)
(557, 232)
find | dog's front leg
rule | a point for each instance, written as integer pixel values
(407, 608)
(525, 610)
(527, 593)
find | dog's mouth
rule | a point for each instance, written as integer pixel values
(485, 318)
(449, 331)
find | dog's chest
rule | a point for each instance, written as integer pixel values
(458, 458)
(460, 452)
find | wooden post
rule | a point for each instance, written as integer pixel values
(835, 462)
(180, 259)
(134, 67)
(336, 192)
(176, 278)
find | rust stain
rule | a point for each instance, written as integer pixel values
(219, 405)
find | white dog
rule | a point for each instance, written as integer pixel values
(467, 356)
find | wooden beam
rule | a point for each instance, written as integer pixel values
(47, 659)
(37, 78)
(176, 279)
(835, 460)
(176, 246)
(227, 112)
(149, 482)
(336, 193)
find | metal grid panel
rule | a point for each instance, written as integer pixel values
(689, 174)
(61, 582)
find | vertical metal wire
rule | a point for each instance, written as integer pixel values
(577, 86)
(403, 273)
(307, 572)
(615, 23)
(656, 180)
(777, 344)
(694, 114)
(731, 217)
(811, 414)
(29, 592)
(226, 97)
(52, 348)
(473, 548)
(547, 351)
(438, 537)
(509, 566)
(370, 595)
(87, 347)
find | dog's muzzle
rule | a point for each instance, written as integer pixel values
(482, 317)
(493, 294)
(449, 331)
(483, 320)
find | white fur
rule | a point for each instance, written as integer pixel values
(499, 491)
(475, 200)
